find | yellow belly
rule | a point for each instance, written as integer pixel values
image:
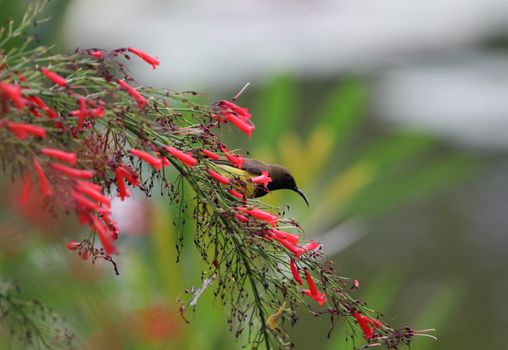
(247, 188)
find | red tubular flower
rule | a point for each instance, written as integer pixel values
(97, 112)
(14, 93)
(356, 284)
(129, 174)
(241, 217)
(82, 112)
(218, 177)
(295, 272)
(123, 192)
(185, 158)
(243, 125)
(104, 235)
(155, 162)
(263, 179)
(140, 100)
(112, 226)
(291, 246)
(54, 77)
(236, 194)
(313, 292)
(260, 214)
(235, 159)
(38, 103)
(210, 154)
(241, 112)
(21, 77)
(68, 157)
(72, 246)
(91, 185)
(84, 217)
(368, 332)
(84, 203)
(219, 118)
(311, 245)
(94, 194)
(165, 161)
(22, 130)
(97, 54)
(43, 180)
(367, 324)
(85, 254)
(153, 61)
(72, 172)
(284, 235)
(35, 113)
(27, 186)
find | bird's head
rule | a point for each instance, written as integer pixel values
(282, 179)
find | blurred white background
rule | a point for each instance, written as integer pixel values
(425, 54)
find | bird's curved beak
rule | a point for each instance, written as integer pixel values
(302, 194)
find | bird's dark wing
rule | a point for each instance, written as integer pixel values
(255, 167)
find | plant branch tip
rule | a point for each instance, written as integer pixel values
(240, 92)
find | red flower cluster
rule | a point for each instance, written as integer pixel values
(91, 205)
(237, 115)
(88, 198)
(291, 243)
(14, 93)
(367, 324)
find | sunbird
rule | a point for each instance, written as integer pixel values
(281, 177)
